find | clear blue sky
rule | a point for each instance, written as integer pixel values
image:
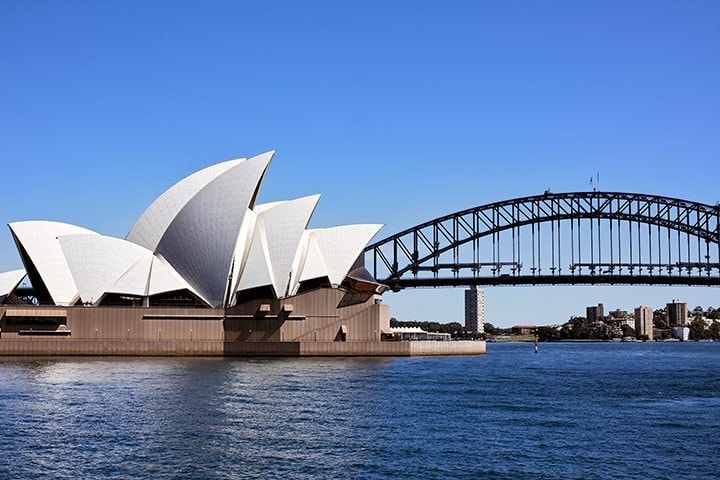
(396, 112)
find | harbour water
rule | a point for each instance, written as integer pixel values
(573, 410)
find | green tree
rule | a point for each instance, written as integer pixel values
(578, 327)
(548, 334)
(659, 320)
(627, 331)
(697, 329)
(714, 331)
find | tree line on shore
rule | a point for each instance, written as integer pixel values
(579, 328)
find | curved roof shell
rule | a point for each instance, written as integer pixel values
(277, 250)
(154, 221)
(335, 250)
(9, 281)
(200, 241)
(204, 234)
(134, 280)
(40, 251)
(101, 265)
(164, 278)
(256, 270)
(97, 262)
(314, 265)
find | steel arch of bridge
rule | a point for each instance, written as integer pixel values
(557, 239)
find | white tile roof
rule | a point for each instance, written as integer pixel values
(200, 241)
(339, 248)
(204, 234)
(152, 224)
(10, 280)
(40, 240)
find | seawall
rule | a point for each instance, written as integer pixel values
(68, 346)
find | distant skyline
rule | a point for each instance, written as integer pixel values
(396, 112)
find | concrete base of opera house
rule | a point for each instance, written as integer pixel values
(310, 324)
(69, 347)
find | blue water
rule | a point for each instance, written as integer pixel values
(582, 410)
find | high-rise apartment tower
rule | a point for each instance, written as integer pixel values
(644, 321)
(676, 313)
(475, 310)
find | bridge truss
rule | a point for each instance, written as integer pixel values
(557, 239)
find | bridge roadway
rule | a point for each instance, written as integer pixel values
(506, 279)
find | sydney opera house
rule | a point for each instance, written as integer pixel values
(205, 270)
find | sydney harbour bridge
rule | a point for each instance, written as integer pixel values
(581, 238)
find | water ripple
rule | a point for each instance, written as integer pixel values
(573, 411)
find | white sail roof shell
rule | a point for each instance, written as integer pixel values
(203, 234)
(152, 224)
(242, 248)
(101, 265)
(164, 278)
(135, 280)
(339, 248)
(256, 271)
(10, 280)
(314, 266)
(278, 250)
(284, 226)
(200, 241)
(97, 262)
(39, 238)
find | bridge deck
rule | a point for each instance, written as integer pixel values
(552, 280)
